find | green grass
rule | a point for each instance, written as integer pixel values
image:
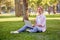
(48, 16)
(7, 16)
(52, 33)
(54, 16)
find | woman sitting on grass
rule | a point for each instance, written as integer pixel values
(39, 26)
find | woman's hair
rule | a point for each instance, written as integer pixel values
(40, 8)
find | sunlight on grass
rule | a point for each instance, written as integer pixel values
(48, 16)
(52, 33)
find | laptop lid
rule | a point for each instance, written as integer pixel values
(27, 22)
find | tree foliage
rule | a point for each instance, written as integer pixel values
(35, 3)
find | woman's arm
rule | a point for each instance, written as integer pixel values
(34, 22)
(43, 22)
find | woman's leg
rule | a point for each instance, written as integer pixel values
(33, 30)
(39, 29)
(23, 28)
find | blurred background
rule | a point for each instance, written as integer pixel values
(10, 6)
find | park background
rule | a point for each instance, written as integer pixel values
(11, 18)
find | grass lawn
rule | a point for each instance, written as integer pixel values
(7, 16)
(48, 16)
(52, 33)
(53, 16)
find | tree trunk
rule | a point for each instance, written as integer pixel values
(18, 7)
(21, 7)
(25, 3)
(0, 8)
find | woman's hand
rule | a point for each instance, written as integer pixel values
(40, 25)
(33, 25)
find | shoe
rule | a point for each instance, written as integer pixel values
(28, 30)
(14, 32)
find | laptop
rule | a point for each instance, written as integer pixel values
(28, 23)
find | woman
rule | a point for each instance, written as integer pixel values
(39, 26)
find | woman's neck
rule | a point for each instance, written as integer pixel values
(39, 13)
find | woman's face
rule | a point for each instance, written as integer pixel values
(40, 10)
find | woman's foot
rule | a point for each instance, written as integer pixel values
(14, 32)
(28, 30)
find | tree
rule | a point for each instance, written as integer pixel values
(21, 7)
(6, 3)
(32, 4)
(54, 3)
(18, 7)
(0, 5)
(38, 2)
(8, 6)
(25, 9)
